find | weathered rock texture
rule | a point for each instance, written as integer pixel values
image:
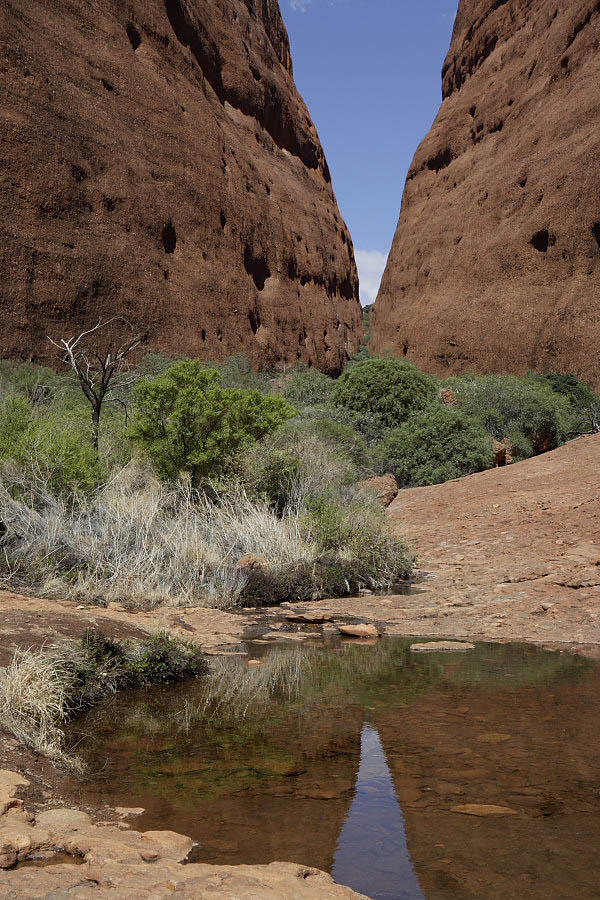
(495, 264)
(158, 163)
(124, 863)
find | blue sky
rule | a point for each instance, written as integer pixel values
(369, 71)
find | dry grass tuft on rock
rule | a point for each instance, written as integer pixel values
(41, 689)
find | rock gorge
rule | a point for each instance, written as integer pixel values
(495, 265)
(159, 164)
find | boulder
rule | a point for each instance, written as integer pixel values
(384, 487)
(359, 631)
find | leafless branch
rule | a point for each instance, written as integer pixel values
(100, 372)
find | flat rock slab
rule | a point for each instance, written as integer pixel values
(484, 809)
(359, 631)
(445, 646)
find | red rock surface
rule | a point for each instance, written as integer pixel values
(495, 264)
(157, 162)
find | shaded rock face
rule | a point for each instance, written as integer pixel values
(158, 163)
(495, 265)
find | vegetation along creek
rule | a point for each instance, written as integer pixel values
(404, 774)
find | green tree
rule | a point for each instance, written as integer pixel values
(187, 422)
(526, 410)
(384, 388)
(308, 387)
(435, 445)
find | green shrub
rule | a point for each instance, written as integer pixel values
(435, 445)
(237, 372)
(301, 461)
(365, 425)
(37, 384)
(356, 541)
(187, 422)
(40, 690)
(308, 387)
(525, 410)
(584, 403)
(48, 444)
(386, 389)
(103, 665)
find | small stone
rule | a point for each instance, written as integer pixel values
(149, 855)
(360, 631)
(251, 561)
(494, 737)
(252, 663)
(546, 606)
(484, 809)
(124, 811)
(439, 646)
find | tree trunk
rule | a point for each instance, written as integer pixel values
(96, 410)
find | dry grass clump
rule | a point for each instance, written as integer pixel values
(41, 689)
(34, 691)
(143, 542)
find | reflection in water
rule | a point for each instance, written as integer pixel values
(276, 763)
(372, 855)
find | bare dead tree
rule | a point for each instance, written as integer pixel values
(103, 373)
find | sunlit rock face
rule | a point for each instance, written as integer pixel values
(158, 163)
(495, 264)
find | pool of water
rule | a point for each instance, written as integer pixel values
(358, 759)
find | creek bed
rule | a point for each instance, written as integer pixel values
(406, 776)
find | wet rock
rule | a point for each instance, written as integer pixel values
(439, 646)
(384, 487)
(9, 784)
(484, 809)
(309, 618)
(125, 811)
(359, 631)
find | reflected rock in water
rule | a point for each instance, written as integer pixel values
(372, 854)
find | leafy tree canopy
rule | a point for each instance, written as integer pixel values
(187, 422)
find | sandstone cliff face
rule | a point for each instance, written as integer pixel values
(495, 265)
(158, 163)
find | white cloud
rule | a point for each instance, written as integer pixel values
(371, 264)
(299, 5)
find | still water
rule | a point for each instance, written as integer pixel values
(357, 759)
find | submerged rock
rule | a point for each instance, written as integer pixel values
(445, 646)
(484, 809)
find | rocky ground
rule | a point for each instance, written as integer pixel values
(511, 554)
(114, 859)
